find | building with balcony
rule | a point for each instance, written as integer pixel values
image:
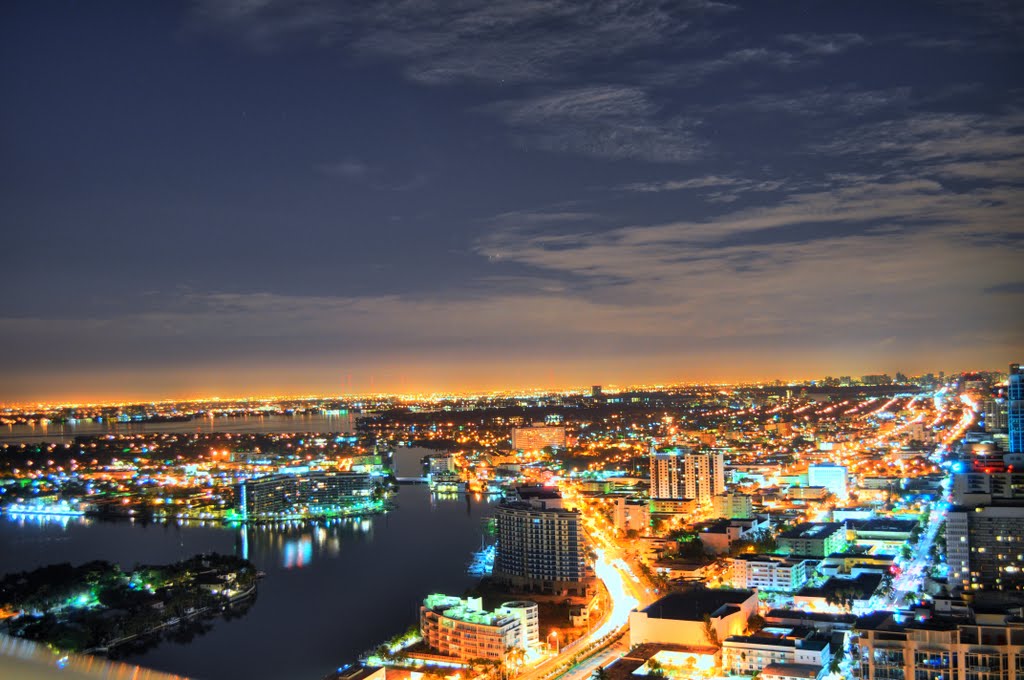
(971, 646)
(540, 549)
(464, 630)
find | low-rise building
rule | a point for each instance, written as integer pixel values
(464, 630)
(678, 618)
(732, 505)
(769, 572)
(814, 539)
(750, 654)
(631, 514)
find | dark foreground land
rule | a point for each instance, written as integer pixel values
(98, 607)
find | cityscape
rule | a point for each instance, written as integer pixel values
(863, 527)
(510, 340)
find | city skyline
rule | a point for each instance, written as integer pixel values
(267, 197)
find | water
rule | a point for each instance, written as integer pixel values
(332, 590)
(66, 432)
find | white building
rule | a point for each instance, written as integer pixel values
(832, 477)
(749, 654)
(463, 629)
(769, 572)
(632, 515)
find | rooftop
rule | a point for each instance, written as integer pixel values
(692, 605)
(813, 530)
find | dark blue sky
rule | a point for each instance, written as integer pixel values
(310, 196)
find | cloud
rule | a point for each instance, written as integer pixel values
(446, 41)
(834, 102)
(347, 169)
(606, 121)
(732, 184)
(825, 43)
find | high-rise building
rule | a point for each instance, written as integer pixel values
(540, 548)
(1015, 408)
(832, 477)
(667, 473)
(681, 473)
(985, 547)
(995, 415)
(537, 437)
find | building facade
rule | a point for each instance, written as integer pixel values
(632, 515)
(989, 647)
(832, 477)
(464, 630)
(538, 436)
(308, 492)
(814, 539)
(730, 505)
(769, 572)
(540, 549)
(985, 547)
(681, 473)
(1015, 408)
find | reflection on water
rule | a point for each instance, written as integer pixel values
(299, 544)
(316, 574)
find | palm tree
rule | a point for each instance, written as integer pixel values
(600, 673)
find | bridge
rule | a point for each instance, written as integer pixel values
(412, 480)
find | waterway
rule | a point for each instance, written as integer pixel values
(250, 424)
(332, 590)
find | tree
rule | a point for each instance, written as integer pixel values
(755, 623)
(711, 633)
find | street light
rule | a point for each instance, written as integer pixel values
(554, 634)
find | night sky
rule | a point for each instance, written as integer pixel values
(309, 196)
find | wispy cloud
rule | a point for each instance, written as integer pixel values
(606, 121)
(465, 40)
(825, 43)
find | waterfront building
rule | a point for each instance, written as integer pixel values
(678, 618)
(463, 629)
(681, 473)
(831, 476)
(933, 645)
(814, 539)
(540, 548)
(1015, 408)
(303, 491)
(769, 572)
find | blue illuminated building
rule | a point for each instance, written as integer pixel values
(1015, 409)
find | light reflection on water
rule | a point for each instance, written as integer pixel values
(426, 544)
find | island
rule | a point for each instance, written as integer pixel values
(97, 607)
